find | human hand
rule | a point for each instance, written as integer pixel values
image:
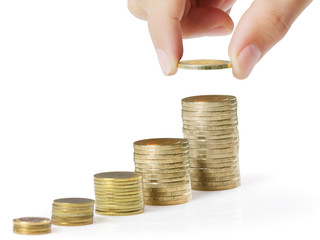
(263, 25)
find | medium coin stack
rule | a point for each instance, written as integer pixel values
(164, 164)
(72, 211)
(210, 125)
(118, 193)
(31, 225)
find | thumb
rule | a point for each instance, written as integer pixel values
(164, 26)
(263, 25)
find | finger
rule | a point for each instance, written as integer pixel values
(224, 5)
(263, 25)
(206, 22)
(136, 9)
(164, 26)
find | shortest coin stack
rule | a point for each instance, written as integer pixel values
(31, 225)
(118, 193)
(72, 211)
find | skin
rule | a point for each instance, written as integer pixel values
(169, 21)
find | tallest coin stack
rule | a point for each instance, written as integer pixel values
(210, 125)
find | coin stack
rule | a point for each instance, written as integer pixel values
(72, 211)
(210, 125)
(164, 165)
(31, 225)
(118, 193)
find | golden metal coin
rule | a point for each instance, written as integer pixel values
(166, 203)
(209, 132)
(211, 99)
(223, 122)
(210, 118)
(208, 114)
(160, 142)
(215, 188)
(118, 176)
(200, 108)
(32, 225)
(166, 152)
(115, 213)
(204, 64)
(74, 202)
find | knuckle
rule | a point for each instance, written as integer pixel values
(277, 25)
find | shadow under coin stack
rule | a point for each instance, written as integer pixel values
(210, 125)
(118, 193)
(164, 164)
(72, 211)
(31, 225)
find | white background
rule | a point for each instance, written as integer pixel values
(80, 82)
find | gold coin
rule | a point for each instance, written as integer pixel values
(216, 179)
(118, 176)
(215, 188)
(148, 158)
(208, 114)
(214, 170)
(162, 166)
(168, 189)
(210, 123)
(73, 202)
(166, 203)
(196, 164)
(160, 161)
(166, 180)
(215, 160)
(167, 152)
(160, 142)
(213, 174)
(216, 147)
(114, 213)
(155, 193)
(210, 118)
(208, 108)
(170, 198)
(209, 132)
(160, 156)
(204, 64)
(164, 171)
(211, 99)
(32, 225)
(208, 129)
(165, 185)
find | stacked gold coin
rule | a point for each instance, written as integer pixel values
(72, 211)
(210, 125)
(164, 165)
(31, 225)
(118, 193)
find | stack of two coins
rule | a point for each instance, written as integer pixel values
(72, 211)
(210, 125)
(118, 193)
(164, 164)
(31, 225)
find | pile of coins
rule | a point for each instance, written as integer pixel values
(118, 193)
(210, 125)
(72, 211)
(31, 225)
(164, 164)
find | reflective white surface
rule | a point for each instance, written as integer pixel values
(80, 82)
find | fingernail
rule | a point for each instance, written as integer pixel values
(218, 31)
(164, 61)
(247, 59)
